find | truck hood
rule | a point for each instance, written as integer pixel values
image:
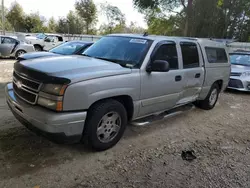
(239, 68)
(73, 68)
(34, 55)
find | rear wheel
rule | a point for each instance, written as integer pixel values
(210, 101)
(105, 125)
(19, 52)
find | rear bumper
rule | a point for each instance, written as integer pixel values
(59, 127)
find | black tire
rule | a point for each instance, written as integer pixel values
(206, 104)
(95, 115)
(19, 52)
(38, 48)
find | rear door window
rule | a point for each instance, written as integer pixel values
(216, 55)
(190, 55)
(7, 40)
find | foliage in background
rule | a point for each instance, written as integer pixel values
(8, 26)
(87, 10)
(16, 17)
(52, 25)
(196, 18)
(116, 21)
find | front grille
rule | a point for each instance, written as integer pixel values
(235, 74)
(26, 88)
(25, 95)
(235, 83)
(31, 84)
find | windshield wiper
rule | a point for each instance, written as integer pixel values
(86, 55)
(123, 63)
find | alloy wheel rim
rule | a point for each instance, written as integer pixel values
(213, 97)
(108, 127)
(20, 53)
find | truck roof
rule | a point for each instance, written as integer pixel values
(202, 41)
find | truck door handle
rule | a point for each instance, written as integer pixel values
(198, 75)
(178, 78)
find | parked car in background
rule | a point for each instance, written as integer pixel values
(67, 48)
(120, 78)
(12, 47)
(45, 42)
(240, 71)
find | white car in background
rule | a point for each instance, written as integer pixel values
(44, 42)
(240, 71)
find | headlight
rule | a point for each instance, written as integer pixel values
(51, 104)
(54, 89)
(245, 74)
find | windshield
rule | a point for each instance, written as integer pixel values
(125, 51)
(68, 48)
(40, 36)
(240, 59)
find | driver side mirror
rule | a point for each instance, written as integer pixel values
(158, 66)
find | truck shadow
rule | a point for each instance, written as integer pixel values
(23, 152)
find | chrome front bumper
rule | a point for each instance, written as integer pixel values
(61, 127)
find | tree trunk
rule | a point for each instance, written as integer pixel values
(189, 12)
(87, 29)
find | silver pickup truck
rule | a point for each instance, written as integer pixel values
(121, 78)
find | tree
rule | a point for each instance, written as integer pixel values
(86, 9)
(62, 26)
(162, 25)
(115, 19)
(34, 23)
(134, 28)
(170, 6)
(75, 23)
(52, 25)
(198, 18)
(7, 24)
(16, 16)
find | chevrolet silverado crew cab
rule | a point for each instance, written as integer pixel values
(119, 79)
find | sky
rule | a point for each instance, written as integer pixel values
(60, 8)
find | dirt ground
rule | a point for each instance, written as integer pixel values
(148, 156)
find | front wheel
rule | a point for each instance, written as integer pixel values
(105, 125)
(210, 101)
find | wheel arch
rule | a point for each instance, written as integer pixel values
(125, 100)
(39, 45)
(220, 84)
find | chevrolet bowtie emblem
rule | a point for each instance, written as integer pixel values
(19, 84)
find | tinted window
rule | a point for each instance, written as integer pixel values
(68, 48)
(6, 40)
(40, 36)
(167, 52)
(60, 39)
(190, 55)
(122, 50)
(216, 55)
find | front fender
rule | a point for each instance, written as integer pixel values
(81, 95)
